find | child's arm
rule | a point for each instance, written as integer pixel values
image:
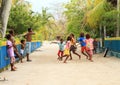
(8, 46)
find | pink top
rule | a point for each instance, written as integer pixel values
(89, 43)
(10, 50)
(68, 44)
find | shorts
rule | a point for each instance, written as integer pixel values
(21, 52)
(83, 49)
(28, 47)
(60, 53)
(73, 48)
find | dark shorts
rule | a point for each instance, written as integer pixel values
(73, 48)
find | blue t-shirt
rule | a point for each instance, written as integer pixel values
(61, 46)
(82, 41)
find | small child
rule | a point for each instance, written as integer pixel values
(61, 49)
(89, 46)
(23, 43)
(10, 51)
(67, 49)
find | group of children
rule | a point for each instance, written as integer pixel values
(65, 49)
(12, 49)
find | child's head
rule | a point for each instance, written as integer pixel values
(11, 32)
(68, 38)
(87, 36)
(81, 34)
(61, 40)
(8, 36)
(29, 29)
(22, 41)
(71, 35)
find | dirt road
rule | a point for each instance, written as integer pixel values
(45, 69)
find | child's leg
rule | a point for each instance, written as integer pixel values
(85, 55)
(91, 54)
(70, 56)
(83, 49)
(58, 54)
(17, 53)
(61, 53)
(74, 52)
(28, 59)
(12, 63)
(67, 56)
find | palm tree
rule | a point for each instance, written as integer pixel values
(4, 15)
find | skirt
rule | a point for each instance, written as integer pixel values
(66, 52)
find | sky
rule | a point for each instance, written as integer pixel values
(50, 4)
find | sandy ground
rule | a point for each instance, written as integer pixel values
(45, 69)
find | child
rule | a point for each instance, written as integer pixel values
(28, 37)
(22, 47)
(61, 49)
(11, 32)
(89, 46)
(83, 44)
(73, 47)
(10, 52)
(67, 49)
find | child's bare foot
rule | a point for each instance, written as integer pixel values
(22, 62)
(91, 60)
(70, 59)
(13, 69)
(64, 62)
(79, 56)
(87, 58)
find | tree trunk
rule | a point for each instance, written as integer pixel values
(118, 19)
(4, 15)
(104, 31)
(100, 28)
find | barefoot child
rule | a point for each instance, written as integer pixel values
(28, 37)
(61, 49)
(10, 51)
(23, 43)
(73, 47)
(83, 44)
(67, 49)
(89, 46)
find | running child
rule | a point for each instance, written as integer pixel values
(89, 46)
(82, 42)
(10, 52)
(67, 49)
(61, 49)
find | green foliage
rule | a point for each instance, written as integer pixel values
(21, 18)
(86, 16)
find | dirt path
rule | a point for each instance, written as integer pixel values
(45, 69)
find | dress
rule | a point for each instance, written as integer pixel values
(67, 48)
(89, 45)
(10, 50)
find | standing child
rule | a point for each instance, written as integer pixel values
(89, 46)
(67, 49)
(23, 43)
(10, 51)
(28, 37)
(61, 49)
